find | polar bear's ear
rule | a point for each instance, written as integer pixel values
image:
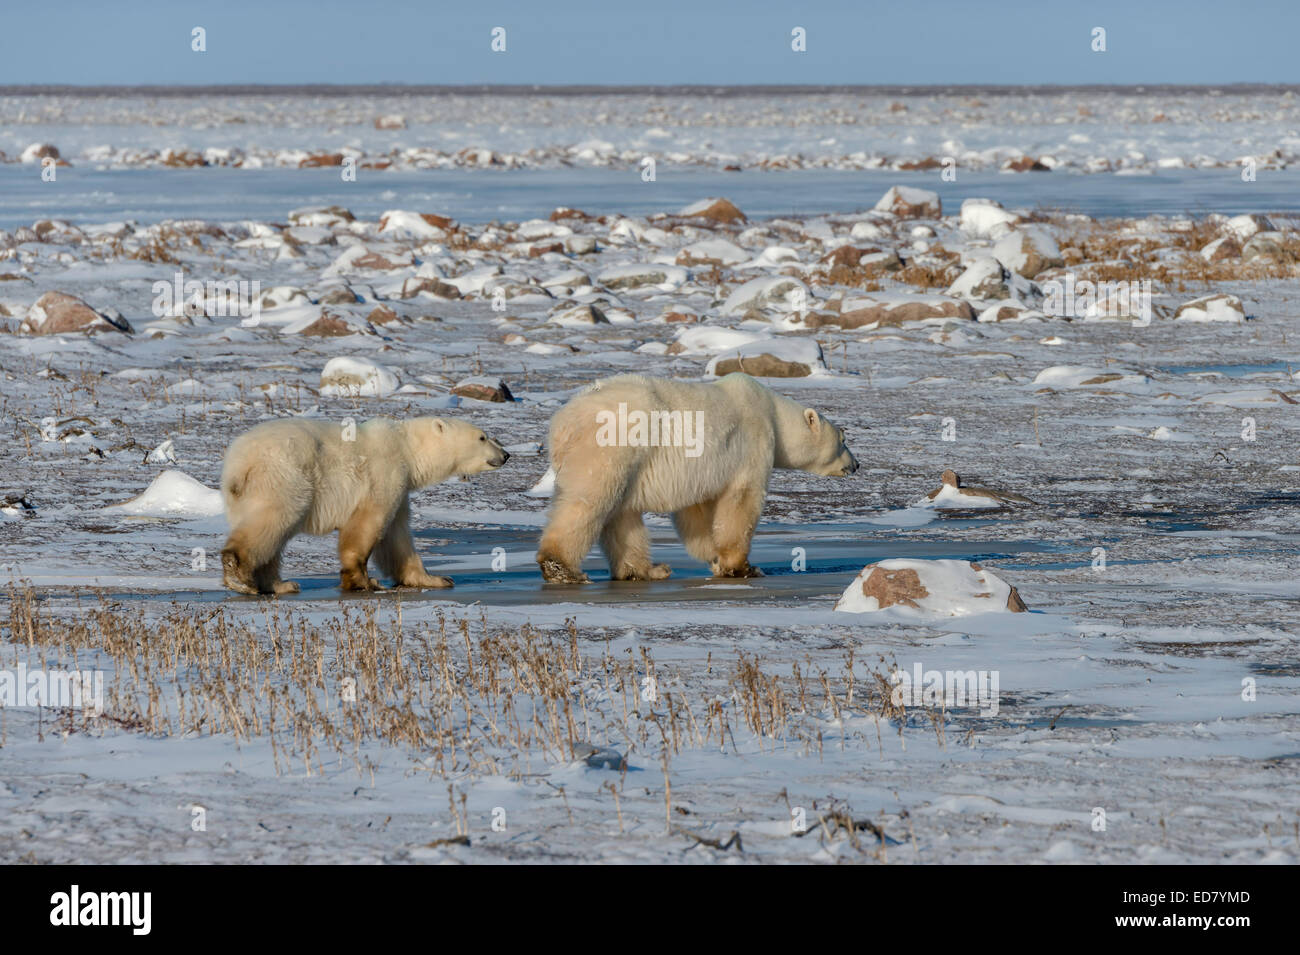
(813, 418)
(438, 425)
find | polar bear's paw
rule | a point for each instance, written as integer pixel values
(554, 572)
(429, 581)
(650, 572)
(285, 587)
(358, 581)
(743, 569)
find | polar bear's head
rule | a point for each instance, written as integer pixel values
(445, 447)
(815, 445)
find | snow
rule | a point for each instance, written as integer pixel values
(1158, 557)
(173, 494)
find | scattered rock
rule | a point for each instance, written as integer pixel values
(483, 389)
(984, 279)
(886, 309)
(1220, 307)
(772, 358)
(714, 210)
(357, 378)
(1028, 251)
(907, 202)
(579, 315)
(420, 285)
(778, 291)
(57, 313)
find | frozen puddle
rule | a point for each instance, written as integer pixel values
(831, 555)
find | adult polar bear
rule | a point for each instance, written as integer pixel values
(624, 445)
(292, 476)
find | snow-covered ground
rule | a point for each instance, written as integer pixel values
(1142, 469)
(1135, 130)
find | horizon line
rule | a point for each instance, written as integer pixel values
(570, 89)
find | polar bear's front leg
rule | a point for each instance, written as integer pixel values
(395, 554)
(357, 539)
(694, 526)
(626, 544)
(734, 520)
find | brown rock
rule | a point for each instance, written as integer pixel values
(445, 223)
(681, 317)
(373, 260)
(563, 212)
(338, 295)
(762, 366)
(847, 255)
(321, 159)
(722, 211)
(1025, 164)
(57, 313)
(328, 326)
(898, 315)
(381, 315)
(483, 390)
(182, 158)
(435, 287)
(539, 249)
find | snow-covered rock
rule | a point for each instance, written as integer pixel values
(930, 588)
(985, 218)
(714, 210)
(1028, 251)
(779, 291)
(663, 277)
(894, 309)
(57, 313)
(772, 358)
(984, 279)
(1220, 307)
(908, 202)
(712, 252)
(357, 377)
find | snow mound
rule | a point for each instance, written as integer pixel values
(545, 487)
(1084, 376)
(173, 494)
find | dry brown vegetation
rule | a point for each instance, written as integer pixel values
(459, 697)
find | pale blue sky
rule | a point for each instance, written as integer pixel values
(618, 42)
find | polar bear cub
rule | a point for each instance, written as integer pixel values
(702, 452)
(296, 476)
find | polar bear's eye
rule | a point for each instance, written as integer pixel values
(482, 437)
